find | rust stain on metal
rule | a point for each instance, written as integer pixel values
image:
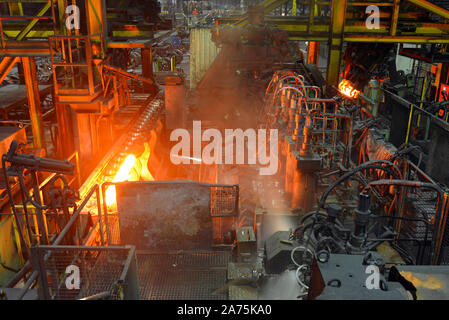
(164, 215)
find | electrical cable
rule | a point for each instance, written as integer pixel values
(364, 166)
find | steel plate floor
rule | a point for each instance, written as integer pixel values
(183, 276)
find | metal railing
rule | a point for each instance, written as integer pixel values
(418, 117)
(77, 272)
(418, 210)
(74, 54)
(59, 238)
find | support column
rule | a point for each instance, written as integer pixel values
(338, 17)
(147, 66)
(65, 133)
(312, 52)
(62, 17)
(83, 139)
(34, 104)
(394, 17)
(97, 18)
(15, 9)
(441, 75)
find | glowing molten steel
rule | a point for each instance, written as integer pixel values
(123, 174)
(345, 87)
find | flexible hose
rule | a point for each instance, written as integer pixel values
(301, 248)
(364, 166)
(302, 284)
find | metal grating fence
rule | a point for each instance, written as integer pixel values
(224, 201)
(420, 216)
(421, 204)
(224, 207)
(73, 272)
(114, 229)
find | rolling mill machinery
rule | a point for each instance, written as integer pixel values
(358, 202)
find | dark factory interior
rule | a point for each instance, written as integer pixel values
(224, 150)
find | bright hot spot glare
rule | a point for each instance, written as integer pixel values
(345, 87)
(123, 174)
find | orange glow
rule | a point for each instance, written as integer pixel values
(143, 159)
(422, 280)
(345, 87)
(123, 174)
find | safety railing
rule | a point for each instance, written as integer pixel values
(77, 272)
(60, 238)
(417, 207)
(75, 56)
(76, 177)
(31, 215)
(419, 118)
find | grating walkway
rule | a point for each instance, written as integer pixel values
(183, 276)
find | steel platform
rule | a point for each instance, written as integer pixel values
(199, 275)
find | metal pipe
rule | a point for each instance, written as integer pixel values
(28, 284)
(13, 209)
(410, 117)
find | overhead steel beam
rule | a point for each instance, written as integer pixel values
(147, 66)
(412, 17)
(298, 29)
(6, 65)
(431, 8)
(24, 52)
(395, 39)
(313, 52)
(23, 1)
(395, 17)
(96, 17)
(141, 33)
(338, 11)
(365, 4)
(128, 45)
